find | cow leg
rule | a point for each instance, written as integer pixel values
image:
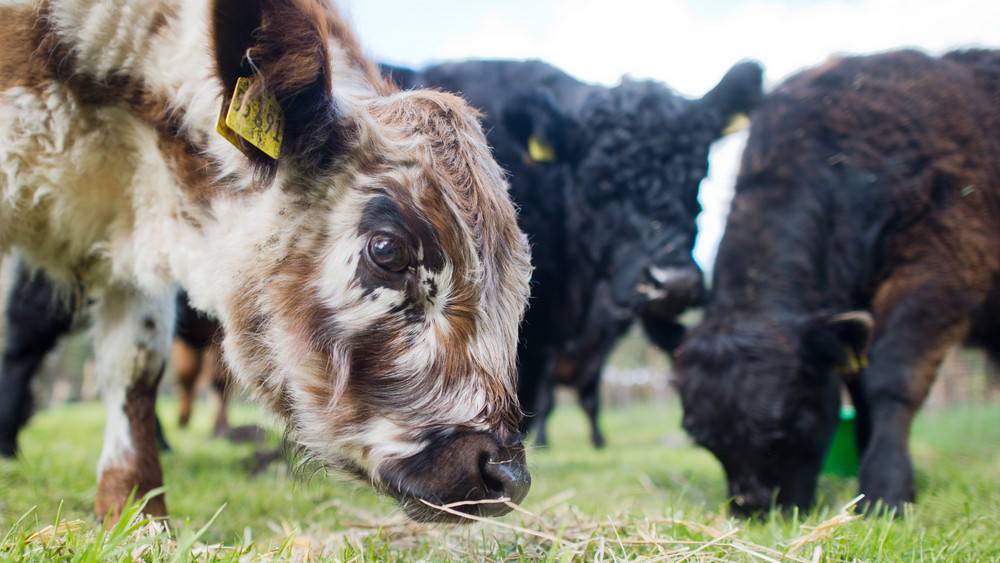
(917, 331)
(15, 403)
(590, 401)
(545, 389)
(187, 362)
(221, 382)
(862, 414)
(530, 371)
(543, 407)
(132, 339)
(35, 321)
(588, 383)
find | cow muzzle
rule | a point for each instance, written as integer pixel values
(751, 499)
(471, 473)
(672, 287)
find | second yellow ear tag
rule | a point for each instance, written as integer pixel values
(737, 122)
(854, 363)
(259, 120)
(540, 151)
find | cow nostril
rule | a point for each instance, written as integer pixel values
(508, 478)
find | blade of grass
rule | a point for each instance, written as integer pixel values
(184, 545)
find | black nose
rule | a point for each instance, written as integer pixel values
(675, 279)
(507, 478)
(740, 508)
(749, 498)
(672, 289)
(470, 470)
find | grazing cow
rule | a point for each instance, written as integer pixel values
(607, 183)
(357, 243)
(866, 217)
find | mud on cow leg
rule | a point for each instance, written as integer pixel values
(132, 340)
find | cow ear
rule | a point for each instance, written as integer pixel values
(735, 95)
(534, 122)
(280, 49)
(839, 341)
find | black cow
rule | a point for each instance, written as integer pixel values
(607, 183)
(866, 217)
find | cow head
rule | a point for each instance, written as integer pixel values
(634, 157)
(371, 279)
(763, 396)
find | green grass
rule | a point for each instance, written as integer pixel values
(649, 495)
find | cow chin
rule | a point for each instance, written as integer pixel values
(473, 473)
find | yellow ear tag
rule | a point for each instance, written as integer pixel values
(854, 363)
(258, 120)
(737, 122)
(540, 151)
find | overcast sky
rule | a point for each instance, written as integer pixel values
(689, 44)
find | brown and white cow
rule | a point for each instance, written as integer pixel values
(370, 279)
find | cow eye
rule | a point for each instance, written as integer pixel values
(388, 253)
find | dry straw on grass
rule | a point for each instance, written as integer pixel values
(50, 535)
(572, 538)
(568, 538)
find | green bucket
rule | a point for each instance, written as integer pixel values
(842, 457)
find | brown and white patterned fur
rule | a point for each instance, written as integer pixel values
(113, 178)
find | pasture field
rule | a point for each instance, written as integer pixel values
(649, 496)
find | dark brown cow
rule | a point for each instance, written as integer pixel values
(357, 243)
(866, 215)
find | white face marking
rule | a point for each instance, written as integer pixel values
(385, 440)
(341, 292)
